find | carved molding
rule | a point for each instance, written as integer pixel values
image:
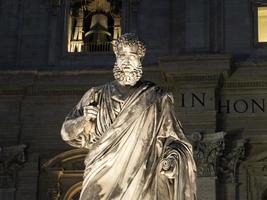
(196, 78)
(225, 58)
(257, 62)
(245, 84)
(47, 91)
(195, 68)
(12, 159)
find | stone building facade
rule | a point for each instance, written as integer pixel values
(212, 55)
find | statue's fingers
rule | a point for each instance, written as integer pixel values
(91, 116)
(94, 108)
(91, 108)
(91, 112)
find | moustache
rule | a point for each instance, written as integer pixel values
(128, 67)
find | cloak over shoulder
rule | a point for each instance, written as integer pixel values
(124, 162)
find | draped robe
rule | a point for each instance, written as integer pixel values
(123, 159)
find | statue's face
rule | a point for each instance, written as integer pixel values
(128, 67)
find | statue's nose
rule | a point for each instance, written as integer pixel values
(127, 63)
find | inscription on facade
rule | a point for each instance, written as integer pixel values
(245, 104)
(248, 105)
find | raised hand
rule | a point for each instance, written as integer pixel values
(90, 112)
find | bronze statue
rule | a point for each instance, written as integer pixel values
(137, 149)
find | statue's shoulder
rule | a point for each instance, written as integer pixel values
(156, 91)
(148, 84)
(154, 86)
(90, 94)
(160, 92)
(95, 89)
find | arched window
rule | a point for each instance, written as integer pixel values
(92, 25)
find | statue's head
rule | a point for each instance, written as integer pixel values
(129, 51)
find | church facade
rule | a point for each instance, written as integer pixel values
(212, 56)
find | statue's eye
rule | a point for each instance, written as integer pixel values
(132, 57)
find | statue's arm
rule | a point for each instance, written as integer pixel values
(169, 125)
(73, 133)
(76, 128)
(174, 145)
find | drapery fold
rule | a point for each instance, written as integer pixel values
(124, 163)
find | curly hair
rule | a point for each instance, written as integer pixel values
(129, 39)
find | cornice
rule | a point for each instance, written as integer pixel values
(43, 90)
(195, 77)
(245, 84)
(196, 58)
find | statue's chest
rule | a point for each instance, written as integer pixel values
(119, 98)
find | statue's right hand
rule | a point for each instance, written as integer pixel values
(90, 112)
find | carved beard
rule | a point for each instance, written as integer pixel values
(127, 77)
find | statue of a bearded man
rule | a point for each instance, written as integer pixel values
(137, 149)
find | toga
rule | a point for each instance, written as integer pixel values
(131, 137)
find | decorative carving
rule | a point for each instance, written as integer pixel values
(207, 149)
(196, 78)
(229, 162)
(11, 160)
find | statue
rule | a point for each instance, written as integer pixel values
(137, 149)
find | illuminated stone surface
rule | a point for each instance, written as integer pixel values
(137, 149)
